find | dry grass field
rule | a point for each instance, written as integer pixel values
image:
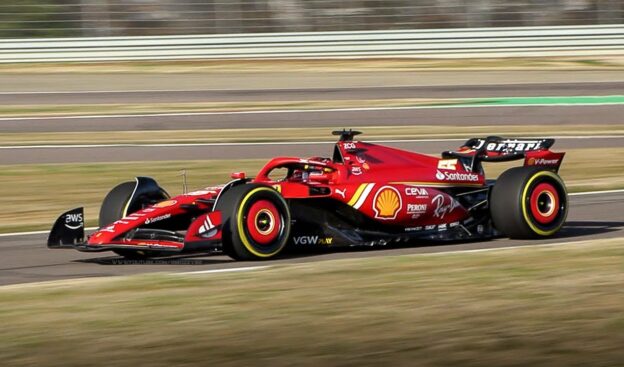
(539, 306)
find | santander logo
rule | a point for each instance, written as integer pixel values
(457, 176)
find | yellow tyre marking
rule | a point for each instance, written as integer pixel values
(241, 228)
(127, 206)
(357, 194)
(525, 212)
(125, 211)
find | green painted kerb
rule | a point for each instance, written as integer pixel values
(536, 101)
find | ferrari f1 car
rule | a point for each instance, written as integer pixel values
(364, 195)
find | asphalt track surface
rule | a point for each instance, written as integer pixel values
(307, 94)
(514, 115)
(471, 116)
(26, 259)
(13, 82)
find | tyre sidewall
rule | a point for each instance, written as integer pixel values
(237, 241)
(114, 207)
(510, 203)
(114, 204)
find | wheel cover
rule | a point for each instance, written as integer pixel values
(544, 202)
(556, 190)
(263, 222)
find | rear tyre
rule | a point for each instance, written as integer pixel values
(256, 222)
(115, 207)
(528, 203)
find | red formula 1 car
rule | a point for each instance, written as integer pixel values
(365, 195)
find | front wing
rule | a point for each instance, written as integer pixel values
(68, 232)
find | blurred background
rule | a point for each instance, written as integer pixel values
(96, 92)
(74, 18)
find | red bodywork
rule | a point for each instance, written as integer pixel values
(388, 185)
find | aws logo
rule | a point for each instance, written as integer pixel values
(387, 203)
(74, 220)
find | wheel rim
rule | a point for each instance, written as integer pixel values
(544, 203)
(263, 222)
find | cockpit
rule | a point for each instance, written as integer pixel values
(314, 170)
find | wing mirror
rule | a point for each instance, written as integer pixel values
(238, 175)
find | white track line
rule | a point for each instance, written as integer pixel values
(19, 93)
(353, 109)
(16, 234)
(596, 192)
(178, 145)
(555, 244)
(230, 270)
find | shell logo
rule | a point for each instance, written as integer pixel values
(531, 162)
(387, 203)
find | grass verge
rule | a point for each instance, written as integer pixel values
(34, 195)
(548, 306)
(321, 65)
(37, 194)
(183, 107)
(297, 134)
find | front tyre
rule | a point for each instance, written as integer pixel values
(256, 222)
(116, 205)
(528, 203)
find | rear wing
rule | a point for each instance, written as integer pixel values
(535, 152)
